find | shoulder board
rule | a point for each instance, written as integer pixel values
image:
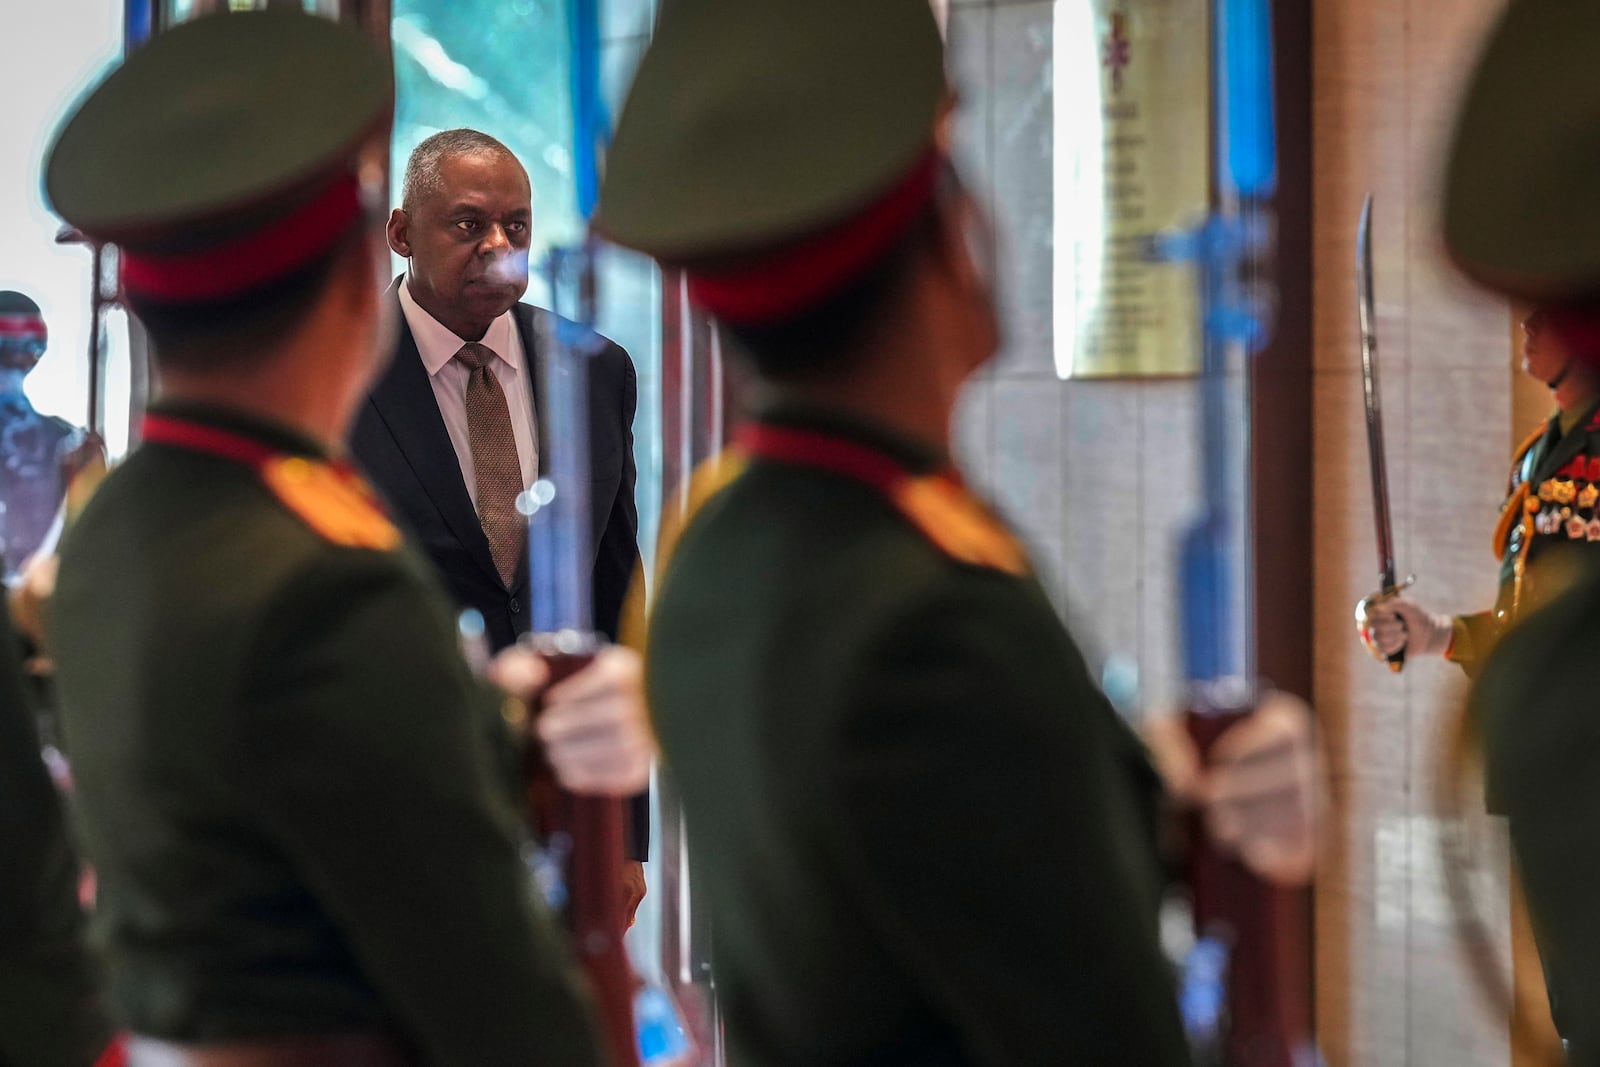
(334, 502)
(705, 482)
(959, 524)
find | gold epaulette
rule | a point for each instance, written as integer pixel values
(1516, 504)
(334, 502)
(959, 524)
(706, 481)
(1511, 515)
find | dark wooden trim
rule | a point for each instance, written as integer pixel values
(1281, 444)
(1281, 401)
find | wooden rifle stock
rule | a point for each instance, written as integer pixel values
(593, 828)
(1266, 929)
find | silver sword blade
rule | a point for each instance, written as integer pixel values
(1369, 381)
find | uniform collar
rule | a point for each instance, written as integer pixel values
(914, 456)
(274, 435)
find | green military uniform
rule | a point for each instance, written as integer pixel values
(924, 834)
(297, 798)
(1520, 217)
(50, 1014)
(1550, 523)
(295, 794)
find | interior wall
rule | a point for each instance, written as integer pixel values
(1394, 983)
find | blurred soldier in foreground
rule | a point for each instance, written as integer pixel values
(926, 836)
(50, 1014)
(297, 798)
(1521, 218)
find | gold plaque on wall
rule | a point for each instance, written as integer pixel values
(1132, 134)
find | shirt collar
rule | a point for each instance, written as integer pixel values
(437, 344)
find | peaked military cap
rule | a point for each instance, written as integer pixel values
(1521, 214)
(794, 140)
(221, 155)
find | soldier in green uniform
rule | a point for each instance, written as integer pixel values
(50, 1012)
(1521, 218)
(1550, 520)
(925, 835)
(297, 798)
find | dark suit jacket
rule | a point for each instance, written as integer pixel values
(401, 444)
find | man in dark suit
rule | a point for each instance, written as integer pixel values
(464, 224)
(451, 433)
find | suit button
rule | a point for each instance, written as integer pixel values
(516, 606)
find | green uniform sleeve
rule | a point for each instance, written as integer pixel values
(1536, 707)
(373, 753)
(1007, 859)
(1471, 639)
(50, 1013)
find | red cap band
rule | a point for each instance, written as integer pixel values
(250, 260)
(21, 326)
(802, 274)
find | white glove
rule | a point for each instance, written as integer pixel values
(1401, 623)
(1263, 791)
(29, 598)
(1260, 792)
(594, 726)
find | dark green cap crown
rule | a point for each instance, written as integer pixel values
(216, 117)
(752, 122)
(1522, 178)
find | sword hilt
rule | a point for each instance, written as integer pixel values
(1397, 659)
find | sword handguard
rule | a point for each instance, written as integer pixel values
(1397, 660)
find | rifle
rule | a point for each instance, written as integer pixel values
(1244, 1003)
(583, 835)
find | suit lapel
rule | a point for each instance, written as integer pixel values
(404, 401)
(533, 352)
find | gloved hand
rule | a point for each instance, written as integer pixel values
(594, 726)
(1260, 792)
(29, 598)
(1398, 623)
(1263, 791)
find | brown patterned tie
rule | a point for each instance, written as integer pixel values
(496, 468)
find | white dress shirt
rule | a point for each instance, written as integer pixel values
(448, 376)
